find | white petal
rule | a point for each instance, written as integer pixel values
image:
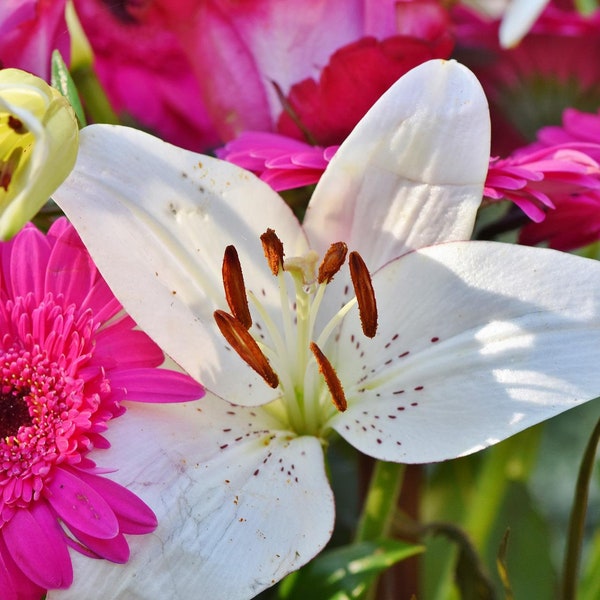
(411, 173)
(518, 19)
(234, 516)
(476, 342)
(156, 220)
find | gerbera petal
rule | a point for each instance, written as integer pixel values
(114, 549)
(477, 342)
(70, 270)
(134, 515)
(175, 212)
(7, 571)
(231, 497)
(29, 258)
(80, 505)
(127, 347)
(154, 385)
(13, 582)
(404, 178)
(37, 545)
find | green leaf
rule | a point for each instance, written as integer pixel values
(345, 573)
(62, 81)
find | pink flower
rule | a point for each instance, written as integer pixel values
(70, 356)
(573, 224)
(241, 51)
(324, 110)
(283, 162)
(534, 178)
(577, 127)
(146, 74)
(574, 221)
(29, 31)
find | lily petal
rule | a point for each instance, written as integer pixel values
(477, 341)
(404, 178)
(518, 19)
(231, 497)
(174, 212)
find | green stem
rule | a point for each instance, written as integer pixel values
(589, 588)
(94, 98)
(380, 506)
(577, 519)
(381, 501)
(511, 459)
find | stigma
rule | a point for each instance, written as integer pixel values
(294, 360)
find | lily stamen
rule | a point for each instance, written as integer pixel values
(235, 289)
(331, 379)
(332, 261)
(365, 295)
(245, 346)
(273, 249)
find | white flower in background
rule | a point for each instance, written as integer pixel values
(38, 146)
(518, 18)
(451, 346)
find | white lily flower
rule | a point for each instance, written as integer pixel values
(452, 345)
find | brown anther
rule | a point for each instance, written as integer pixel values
(235, 289)
(365, 295)
(332, 261)
(16, 125)
(331, 379)
(273, 249)
(244, 344)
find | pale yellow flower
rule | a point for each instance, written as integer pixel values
(38, 146)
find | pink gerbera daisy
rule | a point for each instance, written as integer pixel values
(70, 355)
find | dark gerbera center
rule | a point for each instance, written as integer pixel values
(49, 396)
(14, 412)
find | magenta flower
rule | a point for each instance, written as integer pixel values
(146, 73)
(324, 110)
(535, 178)
(573, 224)
(574, 221)
(29, 31)
(577, 128)
(70, 356)
(283, 162)
(241, 56)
